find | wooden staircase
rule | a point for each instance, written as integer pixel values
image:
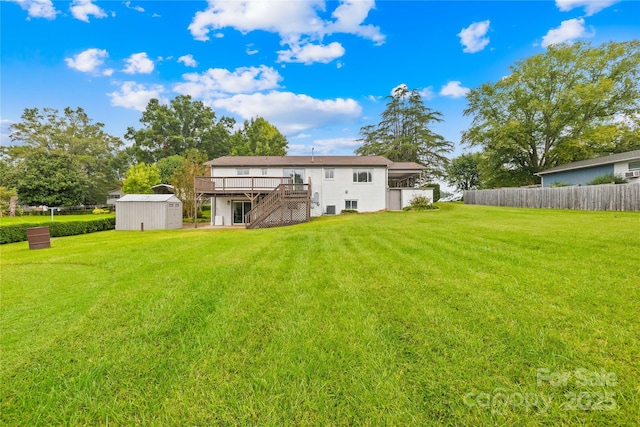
(287, 204)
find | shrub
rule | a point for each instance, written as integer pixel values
(559, 184)
(607, 179)
(419, 203)
(18, 232)
(349, 211)
(98, 211)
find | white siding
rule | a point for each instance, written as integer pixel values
(371, 196)
(409, 193)
(621, 168)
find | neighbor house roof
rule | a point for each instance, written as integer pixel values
(148, 198)
(605, 160)
(240, 161)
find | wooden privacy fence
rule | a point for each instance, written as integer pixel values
(608, 197)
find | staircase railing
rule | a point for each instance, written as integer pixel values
(284, 198)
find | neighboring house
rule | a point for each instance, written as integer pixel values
(280, 190)
(626, 165)
(113, 196)
(148, 212)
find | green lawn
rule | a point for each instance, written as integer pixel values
(464, 316)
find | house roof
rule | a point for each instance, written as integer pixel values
(605, 160)
(148, 198)
(240, 161)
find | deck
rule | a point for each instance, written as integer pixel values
(211, 185)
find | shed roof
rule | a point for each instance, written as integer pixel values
(153, 198)
(605, 160)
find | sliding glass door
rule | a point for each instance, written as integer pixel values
(240, 209)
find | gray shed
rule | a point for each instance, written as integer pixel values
(151, 211)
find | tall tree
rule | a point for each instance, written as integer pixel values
(404, 134)
(192, 165)
(464, 171)
(175, 128)
(258, 137)
(168, 165)
(77, 135)
(140, 178)
(52, 178)
(569, 103)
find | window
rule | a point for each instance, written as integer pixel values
(328, 173)
(634, 165)
(243, 171)
(362, 175)
(331, 209)
(296, 175)
(351, 204)
(264, 171)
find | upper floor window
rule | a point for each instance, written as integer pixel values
(242, 171)
(634, 165)
(264, 171)
(328, 173)
(362, 175)
(296, 175)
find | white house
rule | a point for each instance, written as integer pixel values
(148, 212)
(625, 165)
(308, 185)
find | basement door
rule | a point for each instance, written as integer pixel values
(240, 209)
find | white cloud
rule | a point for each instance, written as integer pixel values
(334, 146)
(568, 31)
(89, 61)
(297, 22)
(290, 112)
(188, 60)
(349, 17)
(82, 9)
(216, 82)
(310, 53)
(454, 90)
(301, 136)
(136, 96)
(38, 8)
(427, 93)
(136, 8)
(473, 37)
(374, 98)
(591, 7)
(251, 51)
(289, 18)
(138, 63)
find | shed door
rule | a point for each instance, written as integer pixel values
(175, 214)
(394, 199)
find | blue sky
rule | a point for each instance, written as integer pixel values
(317, 70)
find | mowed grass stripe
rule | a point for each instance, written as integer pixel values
(365, 319)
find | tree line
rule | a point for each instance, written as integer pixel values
(572, 102)
(67, 159)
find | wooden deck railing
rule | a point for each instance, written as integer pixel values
(226, 185)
